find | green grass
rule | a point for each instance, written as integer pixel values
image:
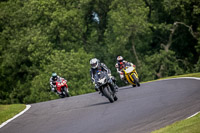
(8, 111)
(191, 125)
(177, 76)
(185, 75)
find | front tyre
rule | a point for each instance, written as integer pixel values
(136, 81)
(138, 84)
(134, 85)
(61, 95)
(108, 93)
(66, 93)
(115, 98)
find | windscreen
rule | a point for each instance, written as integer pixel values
(99, 75)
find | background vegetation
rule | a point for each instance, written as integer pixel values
(38, 37)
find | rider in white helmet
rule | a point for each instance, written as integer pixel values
(121, 63)
(96, 65)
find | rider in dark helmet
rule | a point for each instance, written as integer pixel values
(121, 63)
(53, 79)
(96, 65)
(54, 76)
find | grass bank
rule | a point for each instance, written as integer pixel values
(9, 111)
(185, 75)
(177, 76)
(191, 125)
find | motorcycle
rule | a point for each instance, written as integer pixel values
(62, 87)
(104, 84)
(131, 75)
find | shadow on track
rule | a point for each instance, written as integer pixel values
(98, 104)
(127, 87)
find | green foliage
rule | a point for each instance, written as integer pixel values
(72, 66)
(186, 11)
(44, 36)
(197, 47)
(126, 22)
(197, 66)
(162, 62)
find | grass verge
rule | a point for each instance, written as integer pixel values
(191, 125)
(177, 76)
(185, 75)
(8, 111)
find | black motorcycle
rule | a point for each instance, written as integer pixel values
(105, 85)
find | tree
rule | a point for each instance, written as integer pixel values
(127, 20)
(160, 65)
(28, 40)
(73, 66)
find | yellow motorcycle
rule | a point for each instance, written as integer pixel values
(131, 75)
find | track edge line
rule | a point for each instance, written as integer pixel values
(9, 120)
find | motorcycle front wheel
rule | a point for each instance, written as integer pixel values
(108, 93)
(66, 93)
(136, 80)
(115, 98)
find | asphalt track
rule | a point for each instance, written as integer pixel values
(139, 110)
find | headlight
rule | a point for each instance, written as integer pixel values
(129, 69)
(102, 81)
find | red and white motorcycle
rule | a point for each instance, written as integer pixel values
(62, 88)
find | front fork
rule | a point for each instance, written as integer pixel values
(136, 76)
(112, 85)
(130, 78)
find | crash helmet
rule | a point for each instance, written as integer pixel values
(54, 76)
(94, 63)
(120, 59)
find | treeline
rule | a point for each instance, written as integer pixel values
(38, 37)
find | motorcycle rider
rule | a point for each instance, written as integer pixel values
(121, 63)
(96, 65)
(53, 80)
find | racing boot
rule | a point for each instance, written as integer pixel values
(125, 81)
(96, 87)
(114, 84)
(116, 87)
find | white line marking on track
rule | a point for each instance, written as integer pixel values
(190, 78)
(181, 78)
(186, 78)
(193, 115)
(6, 122)
(171, 79)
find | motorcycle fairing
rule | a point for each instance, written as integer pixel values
(129, 74)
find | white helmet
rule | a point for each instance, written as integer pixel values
(94, 63)
(120, 58)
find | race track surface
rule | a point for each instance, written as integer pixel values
(138, 110)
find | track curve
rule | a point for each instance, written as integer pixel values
(140, 109)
